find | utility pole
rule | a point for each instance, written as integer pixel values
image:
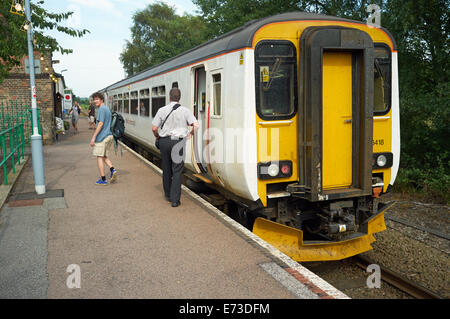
(36, 139)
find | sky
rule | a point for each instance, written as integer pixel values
(94, 63)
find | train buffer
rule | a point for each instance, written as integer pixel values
(124, 240)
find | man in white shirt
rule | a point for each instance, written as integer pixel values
(171, 127)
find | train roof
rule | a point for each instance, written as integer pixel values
(239, 38)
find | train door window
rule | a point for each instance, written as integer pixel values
(126, 102)
(134, 102)
(120, 102)
(144, 102)
(175, 85)
(115, 103)
(275, 79)
(158, 98)
(217, 94)
(382, 79)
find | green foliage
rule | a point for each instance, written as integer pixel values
(158, 34)
(13, 41)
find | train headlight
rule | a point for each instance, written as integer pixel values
(273, 170)
(382, 160)
(278, 169)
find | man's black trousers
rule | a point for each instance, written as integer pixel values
(172, 155)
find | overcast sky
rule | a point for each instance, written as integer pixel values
(95, 64)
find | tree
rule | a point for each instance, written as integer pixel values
(13, 41)
(158, 34)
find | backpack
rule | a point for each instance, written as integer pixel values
(117, 128)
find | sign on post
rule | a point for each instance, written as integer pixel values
(67, 101)
(37, 66)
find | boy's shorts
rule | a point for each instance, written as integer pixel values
(102, 148)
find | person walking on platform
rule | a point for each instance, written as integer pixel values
(171, 129)
(102, 140)
(75, 111)
(91, 116)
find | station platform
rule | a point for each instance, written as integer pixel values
(124, 240)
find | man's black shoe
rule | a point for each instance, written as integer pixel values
(167, 199)
(176, 204)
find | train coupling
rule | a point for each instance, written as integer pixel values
(337, 219)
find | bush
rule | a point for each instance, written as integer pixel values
(428, 184)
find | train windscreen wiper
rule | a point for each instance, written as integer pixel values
(274, 74)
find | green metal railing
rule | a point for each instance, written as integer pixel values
(16, 144)
(16, 128)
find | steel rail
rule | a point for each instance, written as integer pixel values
(418, 227)
(398, 281)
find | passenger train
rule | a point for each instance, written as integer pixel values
(299, 126)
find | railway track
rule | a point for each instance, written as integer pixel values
(398, 281)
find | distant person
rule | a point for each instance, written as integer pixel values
(75, 111)
(173, 121)
(102, 139)
(91, 115)
(143, 111)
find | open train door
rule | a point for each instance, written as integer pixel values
(200, 113)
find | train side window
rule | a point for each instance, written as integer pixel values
(382, 79)
(134, 102)
(158, 98)
(120, 102)
(115, 103)
(275, 79)
(144, 102)
(217, 94)
(126, 102)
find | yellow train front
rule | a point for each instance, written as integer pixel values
(328, 134)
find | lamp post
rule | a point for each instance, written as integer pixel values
(36, 138)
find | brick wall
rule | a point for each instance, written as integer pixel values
(17, 88)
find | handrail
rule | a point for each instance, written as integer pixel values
(16, 143)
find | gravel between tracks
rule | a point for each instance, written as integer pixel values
(418, 255)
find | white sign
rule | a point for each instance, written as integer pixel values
(67, 103)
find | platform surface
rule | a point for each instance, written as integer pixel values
(126, 239)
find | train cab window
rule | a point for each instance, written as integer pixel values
(217, 94)
(126, 102)
(115, 103)
(158, 98)
(275, 79)
(144, 102)
(382, 80)
(119, 102)
(134, 102)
